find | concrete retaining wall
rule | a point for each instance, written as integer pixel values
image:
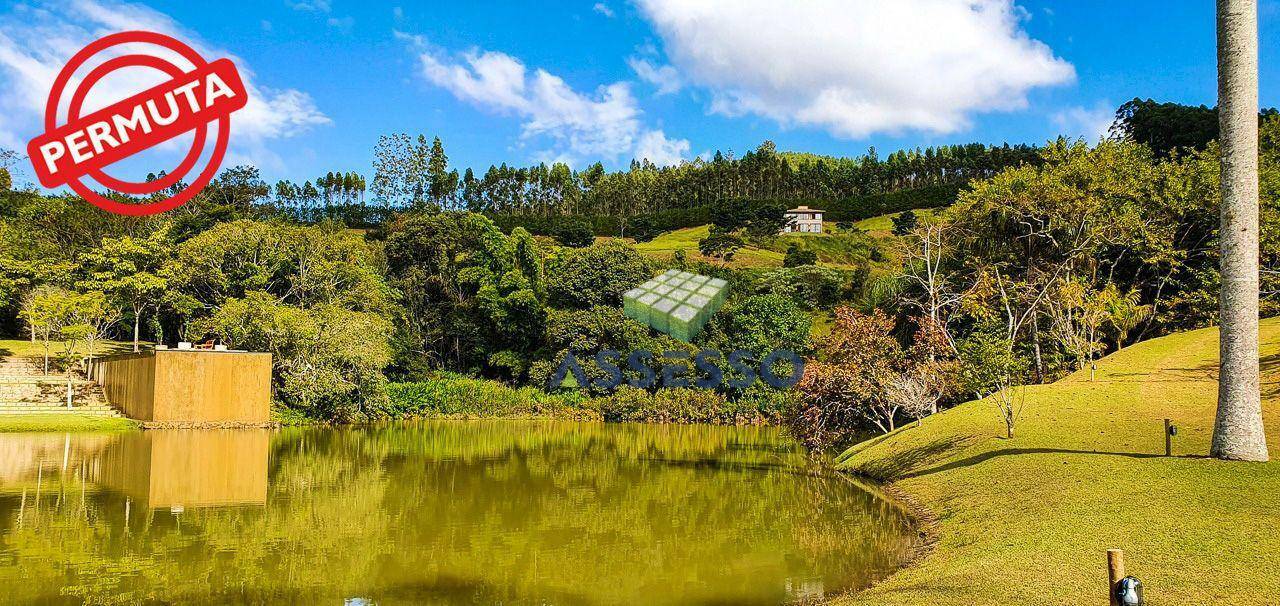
(187, 386)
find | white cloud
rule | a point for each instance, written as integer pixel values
(603, 9)
(603, 123)
(36, 42)
(1090, 123)
(655, 147)
(322, 8)
(343, 23)
(310, 6)
(664, 77)
(857, 67)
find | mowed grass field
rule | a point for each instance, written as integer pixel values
(1028, 520)
(69, 422)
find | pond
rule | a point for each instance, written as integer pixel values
(454, 512)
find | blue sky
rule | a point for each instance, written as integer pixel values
(521, 82)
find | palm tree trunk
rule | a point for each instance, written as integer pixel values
(1237, 431)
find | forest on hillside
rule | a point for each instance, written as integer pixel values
(1034, 270)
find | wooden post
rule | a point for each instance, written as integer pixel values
(1168, 438)
(1115, 572)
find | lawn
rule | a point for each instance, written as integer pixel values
(63, 423)
(24, 347)
(1028, 520)
(665, 246)
(882, 225)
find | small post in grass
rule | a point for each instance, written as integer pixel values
(1115, 572)
(1168, 438)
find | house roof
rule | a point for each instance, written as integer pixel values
(806, 209)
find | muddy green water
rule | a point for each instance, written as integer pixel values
(442, 512)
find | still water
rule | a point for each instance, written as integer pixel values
(476, 512)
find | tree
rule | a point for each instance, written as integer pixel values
(472, 296)
(1165, 127)
(311, 295)
(797, 256)
(400, 166)
(1125, 313)
(93, 316)
(1080, 213)
(575, 233)
(129, 270)
(1169, 127)
(680, 259)
(1078, 312)
(301, 265)
(1237, 431)
(73, 318)
(327, 359)
(846, 389)
(595, 275)
(43, 309)
(927, 267)
(990, 369)
(915, 394)
(764, 323)
(529, 262)
(7, 158)
(442, 183)
(720, 245)
(810, 286)
(904, 222)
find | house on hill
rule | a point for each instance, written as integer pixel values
(803, 219)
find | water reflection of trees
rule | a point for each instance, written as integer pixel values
(476, 512)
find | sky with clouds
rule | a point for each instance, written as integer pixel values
(612, 80)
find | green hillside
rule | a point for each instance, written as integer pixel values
(835, 248)
(1028, 520)
(665, 245)
(882, 225)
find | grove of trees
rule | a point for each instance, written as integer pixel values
(1048, 258)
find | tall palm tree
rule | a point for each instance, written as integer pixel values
(1237, 431)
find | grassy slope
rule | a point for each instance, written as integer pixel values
(882, 225)
(833, 249)
(666, 244)
(1028, 521)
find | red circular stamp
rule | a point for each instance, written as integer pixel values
(187, 101)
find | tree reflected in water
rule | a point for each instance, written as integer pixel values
(447, 512)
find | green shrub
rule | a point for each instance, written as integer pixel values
(811, 286)
(797, 256)
(686, 405)
(761, 324)
(595, 275)
(448, 395)
(575, 233)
